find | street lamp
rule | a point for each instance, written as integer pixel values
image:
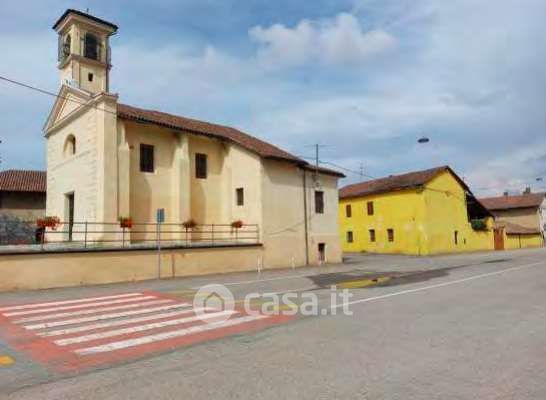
(423, 140)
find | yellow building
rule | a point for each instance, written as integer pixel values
(421, 213)
(519, 220)
(107, 160)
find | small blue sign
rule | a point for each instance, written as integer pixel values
(160, 215)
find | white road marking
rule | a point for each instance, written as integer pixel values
(72, 307)
(385, 296)
(101, 317)
(55, 303)
(94, 311)
(166, 335)
(84, 328)
(491, 256)
(141, 328)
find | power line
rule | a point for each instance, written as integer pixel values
(352, 171)
(56, 95)
(317, 146)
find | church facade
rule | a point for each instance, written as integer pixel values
(107, 160)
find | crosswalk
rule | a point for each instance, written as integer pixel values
(79, 333)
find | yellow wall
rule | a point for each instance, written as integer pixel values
(43, 271)
(424, 221)
(401, 211)
(523, 241)
(446, 212)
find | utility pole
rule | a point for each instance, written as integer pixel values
(317, 146)
(361, 171)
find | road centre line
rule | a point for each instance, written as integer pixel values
(366, 269)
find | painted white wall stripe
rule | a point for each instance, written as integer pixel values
(110, 324)
(141, 328)
(94, 310)
(101, 317)
(73, 307)
(420, 289)
(166, 335)
(56, 303)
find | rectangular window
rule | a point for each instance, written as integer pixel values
(348, 211)
(201, 166)
(370, 207)
(146, 158)
(390, 235)
(240, 196)
(90, 77)
(372, 235)
(349, 237)
(319, 202)
(456, 237)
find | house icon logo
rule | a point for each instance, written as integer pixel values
(213, 303)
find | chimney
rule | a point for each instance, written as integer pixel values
(527, 190)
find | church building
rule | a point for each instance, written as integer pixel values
(107, 160)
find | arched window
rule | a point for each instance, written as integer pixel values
(66, 45)
(70, 145)
(91, 46)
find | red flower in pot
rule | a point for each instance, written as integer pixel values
(48, 222)
(125, 222)
(237, 224)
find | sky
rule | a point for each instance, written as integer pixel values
(363, 78)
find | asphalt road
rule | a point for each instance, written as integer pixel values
(451, 327)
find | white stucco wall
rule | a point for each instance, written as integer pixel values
(105, 177)
(283, 216)
(77, 173)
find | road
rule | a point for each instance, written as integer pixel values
(451, 327)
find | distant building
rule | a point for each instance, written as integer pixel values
(23, 194)
(521, 217)
(107, 160)
(423, 212)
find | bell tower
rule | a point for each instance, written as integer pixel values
(84, 51)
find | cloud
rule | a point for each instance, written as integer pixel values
(339, 40)
(467, 74)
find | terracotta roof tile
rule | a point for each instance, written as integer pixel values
(249, 142)
(391, 183)
(531, 200)
(22, 181)
(515, 229)
(82, 14)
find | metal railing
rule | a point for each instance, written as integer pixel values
(111, 234)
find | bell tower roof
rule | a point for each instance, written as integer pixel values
(84, 51)
(71, 13)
